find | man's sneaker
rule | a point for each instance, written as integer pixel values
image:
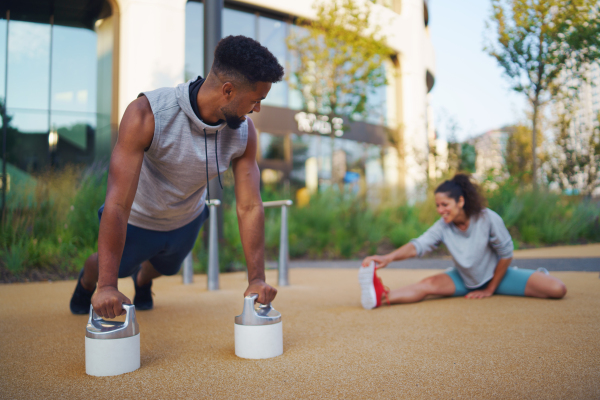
(82, 298)
(143, 294)
(372, 290)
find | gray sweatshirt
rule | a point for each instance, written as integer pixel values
(172, 185)
(476, 251)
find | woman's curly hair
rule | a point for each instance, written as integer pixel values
(461, 185)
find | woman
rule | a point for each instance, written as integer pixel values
(480, 245)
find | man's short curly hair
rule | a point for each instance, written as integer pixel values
(246, 60)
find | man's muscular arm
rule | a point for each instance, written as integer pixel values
(135, 134)
(251, 218)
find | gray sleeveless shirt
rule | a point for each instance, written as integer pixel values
(172, 186)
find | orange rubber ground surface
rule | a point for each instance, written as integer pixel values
(500, 347)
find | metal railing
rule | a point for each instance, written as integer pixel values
(284, 248)
(213, 247)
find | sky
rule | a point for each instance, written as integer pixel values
(469, 85)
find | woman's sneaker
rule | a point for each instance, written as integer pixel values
(543, 271)
(81, 299)
(372, 289)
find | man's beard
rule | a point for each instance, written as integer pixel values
(232, 120)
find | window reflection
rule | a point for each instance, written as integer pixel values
(2, 59)
(312, 149)
(272, 147)
(238, 23)
(194, 40)
(54, 71)
(28, 65)
(377, 105)
(74, 69)
(28, 121)
(272, 34)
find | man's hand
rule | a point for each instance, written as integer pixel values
(107, 302)
(265, 293)
(380, 261)
(479, 294)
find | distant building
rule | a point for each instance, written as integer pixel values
(587, 108)
(490, 149)
(583, 103)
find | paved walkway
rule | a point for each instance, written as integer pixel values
(560, 258)
(501, 347)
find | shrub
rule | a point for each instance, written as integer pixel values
(51, 223)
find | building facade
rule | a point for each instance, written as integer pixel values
(490, 150)
(69, 69)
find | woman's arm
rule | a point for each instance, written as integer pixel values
(489, 290)
(404, 252)
(415, 248)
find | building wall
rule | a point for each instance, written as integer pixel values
(152, 55)
(490, 148)
(152, 47)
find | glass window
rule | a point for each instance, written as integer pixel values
(239, 23)
(54, 72)
(2, 59)
(272, 147)
(295, 101)
(194, 40)
(373, 166)
(377, 105)
(105, 39)
(272, 34)
(74, 69)
(300, 153)
(74, 65)
(28, 75)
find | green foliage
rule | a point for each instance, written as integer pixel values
(49, 222)
(52, 225)
(338, 58)
(537, 41)
(544, 218)
(467, 157)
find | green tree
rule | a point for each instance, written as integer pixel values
(338, 60)
(537, 41)
(519, 155)
(468, 156)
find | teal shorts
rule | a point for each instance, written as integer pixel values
(513, 283)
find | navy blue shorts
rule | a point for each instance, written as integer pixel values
(165, 250)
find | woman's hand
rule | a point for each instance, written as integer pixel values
(380, 261)
(479, 294)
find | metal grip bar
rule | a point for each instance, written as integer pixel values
(213, 246)
(278, 203)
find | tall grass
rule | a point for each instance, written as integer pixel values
(51, 224)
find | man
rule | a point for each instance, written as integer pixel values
(172, 141)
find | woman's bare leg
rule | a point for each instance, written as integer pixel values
(545, 286)
(439, 285)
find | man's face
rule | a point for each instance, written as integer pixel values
(245, 102)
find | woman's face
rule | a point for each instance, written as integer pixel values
(447, 207)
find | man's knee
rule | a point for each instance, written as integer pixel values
(92, 262)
